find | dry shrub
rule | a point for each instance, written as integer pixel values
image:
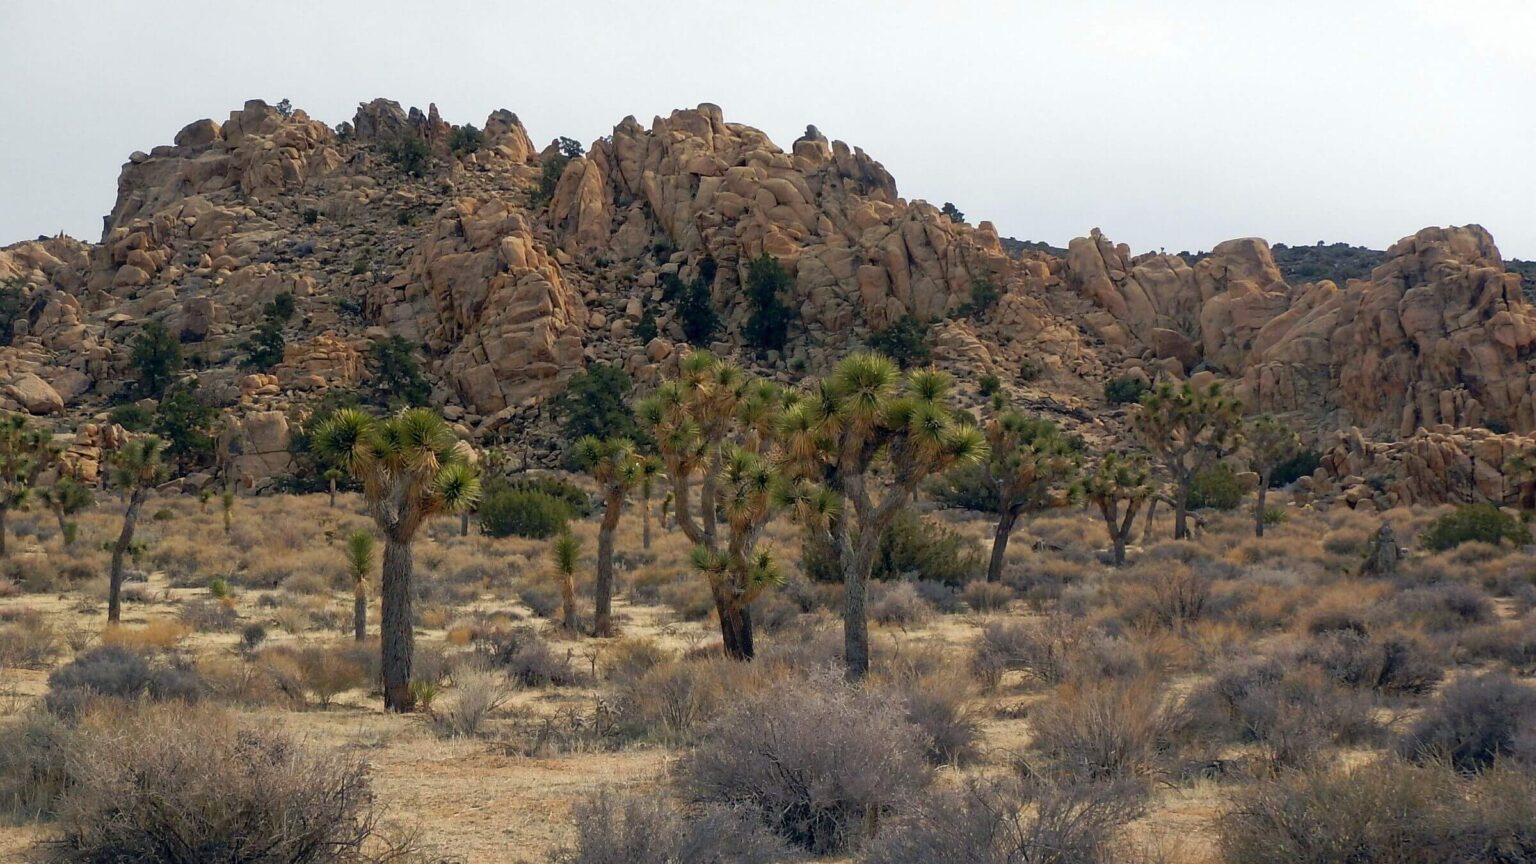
(184, 786)
(327, 672)
(1511, 642)
(689, 598)
(33, 748)
(27, 640)
(1159, 592)
(542, 600)
(1387, 812)
(650, 829)
(209, 616)
(1390, 663)
(814, 759)
(1292, 714)
(162, 634)
(897, 604)
(1444, 608)
(646, 584)
(1009, 822)
(476, 693)
(1042, 578)
(1101, 731)
(253, 683)
(671, 702)
(1473, 722)
(1050, 649)
(987, 597)
(114, 672)
(630, 658)
(527, 658)
(938, 703)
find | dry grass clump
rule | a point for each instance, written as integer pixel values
(527, 659)
(161, 634)
(649, 829)
(815, 789)
(197, 785)
(1383, 811)
(28, 640)
(672, 702)
(475, 695)
(1051, 649)
(897, 604)
(1009, 820)
(1105, 731)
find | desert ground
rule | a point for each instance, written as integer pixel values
(1067, 668)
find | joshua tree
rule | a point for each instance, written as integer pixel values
(411, 467)
(650, 473)
(1270, 443)
(1116, 481)
(869, 413)
(566, 552)
(699, 426)
(613, 464)
(1025, 456)
(333, 476)
(1188, 430)
(65, 498)
(360, 564)
(227, 503)
(25, 452)
(138, 467)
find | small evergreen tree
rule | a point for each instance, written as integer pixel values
(696, 313)
(905, 341)
(397, 379)
(185, 423)
(768, 325)
(359, 565)
(465, 139)
(953, 212)
(595, 402)
(156, 357)
(25, 452)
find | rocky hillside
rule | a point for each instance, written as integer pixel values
(511, 267)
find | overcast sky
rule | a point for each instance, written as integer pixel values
(1171, 124)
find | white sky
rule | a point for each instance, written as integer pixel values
(1171, 124)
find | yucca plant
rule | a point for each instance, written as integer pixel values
(65, 498)
(1026, 456)
(411, 467)
(138, 467)
(25, 452)
(616, 467)
(711, 426)
(566, 553)
(227, 506)
(1188, 429)
(359, 564)
(1119, 482)
(1270, 442)
(650, 475)
(867, 413)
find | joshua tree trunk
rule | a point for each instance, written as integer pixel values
(396, 638)
(3, 512)
(1000, 538)
(464, 524)
(735, 623)
(1258, 509)
(1146, 523)
(333, 493)
(568, 601)
(1119, 530)
(360, 610)
(855, 606)
(119, 550)
(645, 525)
(602, 614)
(1181, 509)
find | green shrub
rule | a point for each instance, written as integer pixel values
(1030, 369)
(646, 330)
(185, 421)
(989, 384)
(595, 401)
(506, 511)
(905, 341)
(1293, 469)
(984, 296)
(768, 325)
(695, 303)
(913, 547)
(156, 358)
(573, 496)
(1215, 488)
(13, 306)
(1482, 522)
(133, 417)
(1124, 390)
(465, 139)
(311, 216)
(396, 373)
(409, 153)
